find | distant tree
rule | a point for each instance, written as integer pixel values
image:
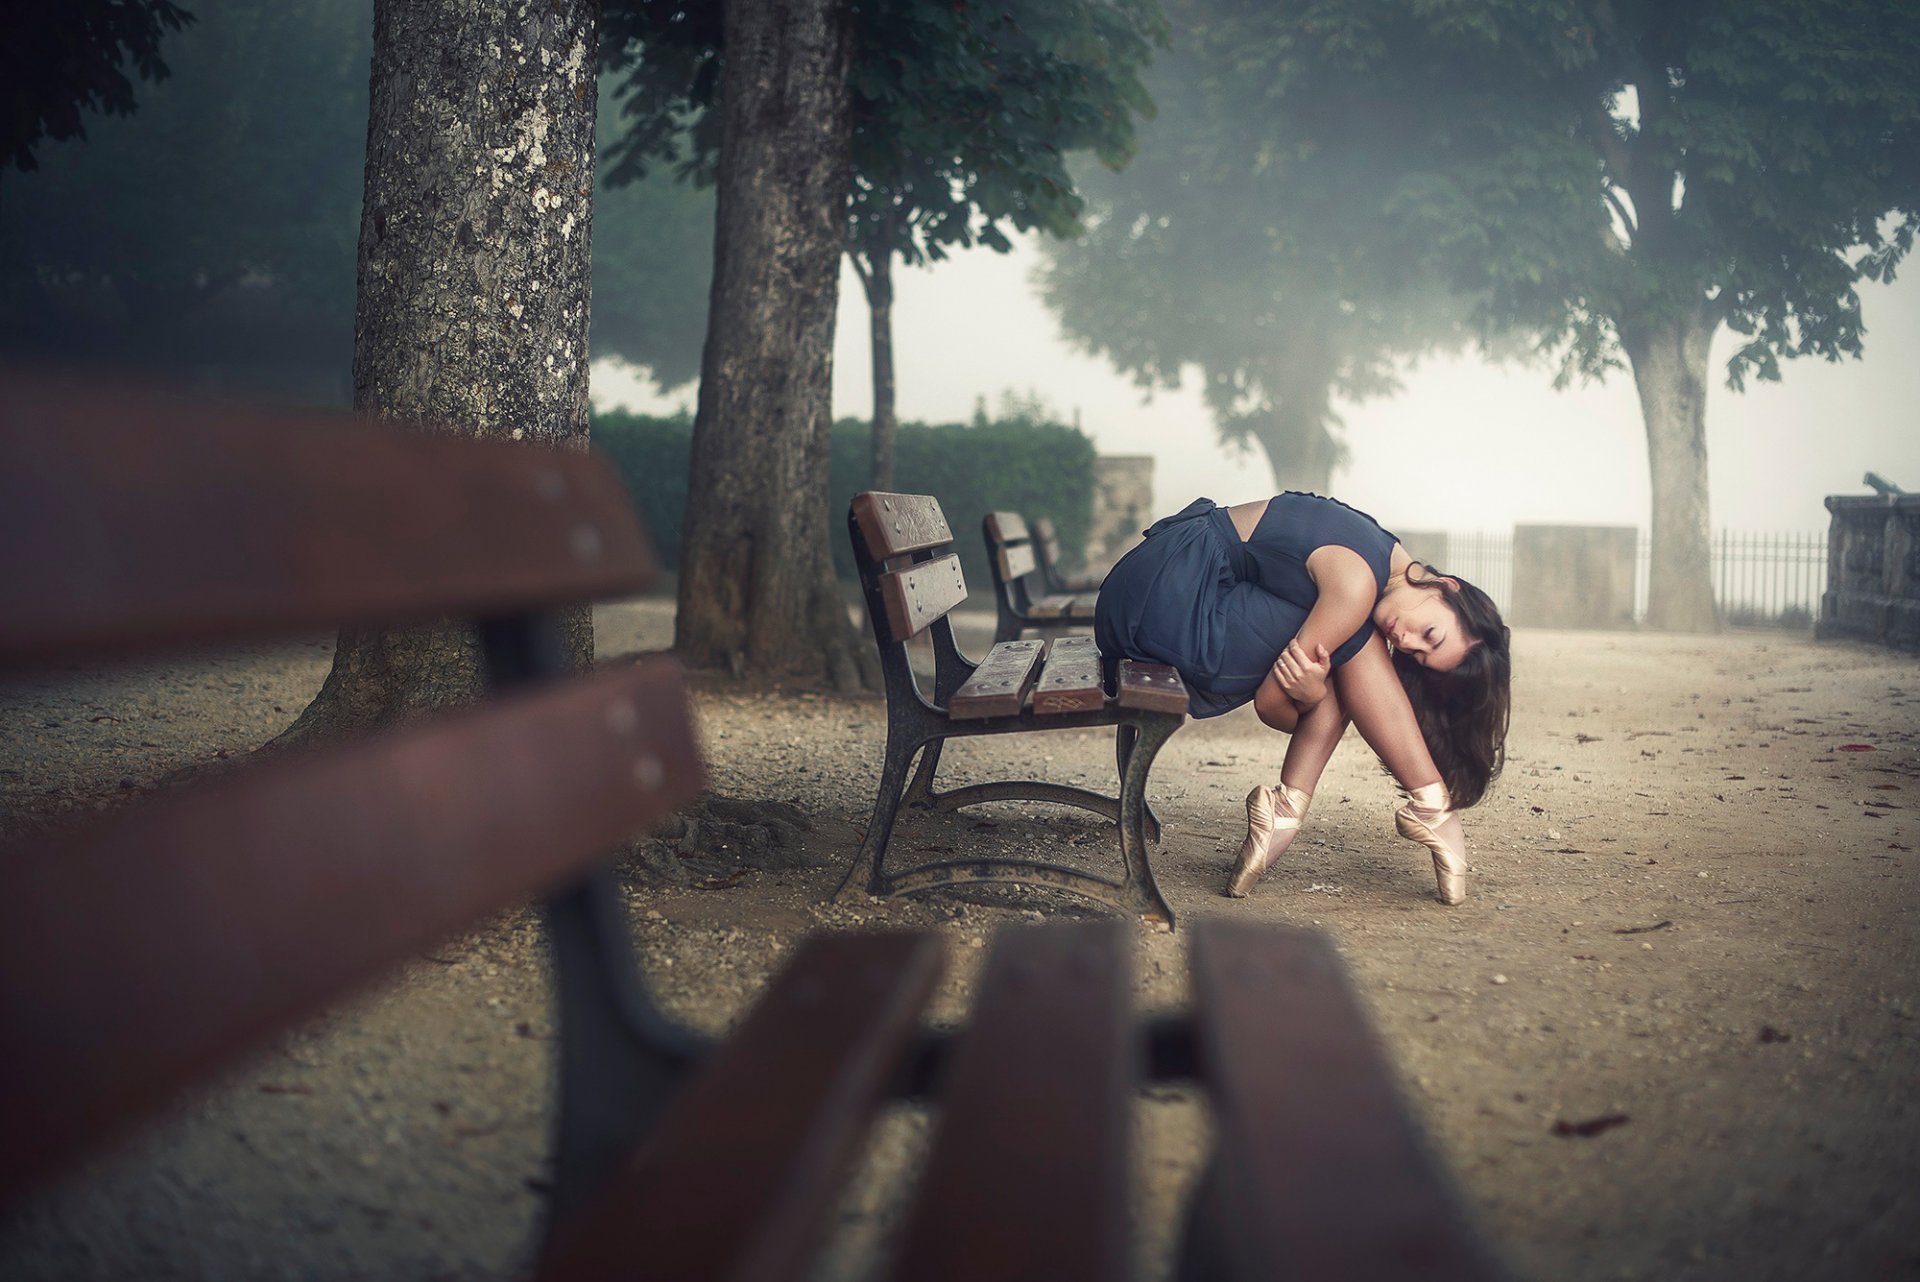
(962, 118)
(64, 58)
(215, 229)
(475, 251)
(757, 589)
(1274, 271)
(1622, 178)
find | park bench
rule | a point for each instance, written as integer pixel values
(145, 951)
(1025, 592)
(912, 580)
(1046, 542)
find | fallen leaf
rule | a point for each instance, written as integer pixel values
(1591, 1127)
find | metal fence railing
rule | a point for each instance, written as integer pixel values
(1763, 579)
(1759, 579)
(1484, 559)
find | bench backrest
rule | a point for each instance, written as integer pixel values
(142, 952)
(1010, 545)
(1046, 542)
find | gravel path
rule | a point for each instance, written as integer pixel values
(1693, 910)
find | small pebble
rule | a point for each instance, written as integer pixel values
(1499, 979)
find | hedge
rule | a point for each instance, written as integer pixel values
(1015, 464)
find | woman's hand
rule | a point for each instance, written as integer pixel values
(1303, 678)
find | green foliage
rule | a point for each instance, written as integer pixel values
(62, 60)
(1272, 263)
(652, 264)
(653, 456)
(1576, 166)
(1011, 463)
(220, 222)
(1034, 467)
(961, 112)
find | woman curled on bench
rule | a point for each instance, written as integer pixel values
(1319, 617)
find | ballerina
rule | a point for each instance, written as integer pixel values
(1312, 612)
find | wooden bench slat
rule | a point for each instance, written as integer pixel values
(1028, 1173)
(737, 1178)
(140, 953)
(1323, 1174)
(1063, 606)
(1156, 687)
(896, 524)
(134, 520)
(1071, 681)
(1015, 560)
(998, 687)
(1006, 527)
(919, 594)
(1047, 540)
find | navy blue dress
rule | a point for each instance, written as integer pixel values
(1221, 610)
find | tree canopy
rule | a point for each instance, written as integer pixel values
(217, 225)
(65, 58)
(1276, 270)
(1619, 178)
(652, 265)
(962, 115)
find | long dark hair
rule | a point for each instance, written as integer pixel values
(1463, 713)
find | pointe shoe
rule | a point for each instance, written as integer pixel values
(1273, 817)
(1428, 818)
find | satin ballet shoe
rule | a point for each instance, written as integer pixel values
(1428, 818)
(1273, 817)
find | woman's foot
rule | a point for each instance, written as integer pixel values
(1428, 818)
(1273, 817)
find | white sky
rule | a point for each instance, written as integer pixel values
(1464, 446)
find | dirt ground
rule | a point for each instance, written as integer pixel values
(1692, 925)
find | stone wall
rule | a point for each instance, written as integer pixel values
(1122, 507)
(1873, 569)
(1573, 576)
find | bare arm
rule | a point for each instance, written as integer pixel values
(1346, 595)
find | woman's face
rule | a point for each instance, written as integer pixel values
(1417, 621)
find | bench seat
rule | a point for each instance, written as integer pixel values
(912, 580)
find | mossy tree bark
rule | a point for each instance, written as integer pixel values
(757, 590)
(474, 279)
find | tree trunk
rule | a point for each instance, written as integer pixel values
(1299, 449)
(474, 280)
(757, 589)
(1669, 357)
(1296, 432)
(878, 279)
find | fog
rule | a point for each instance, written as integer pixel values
(1465, 445)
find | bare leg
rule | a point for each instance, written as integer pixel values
(1372, 697)
(1315, 737)
(1274, 814)
(1371, 694)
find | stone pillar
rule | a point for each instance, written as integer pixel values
(1573, 576)
(1873, 569)
(1122, 507)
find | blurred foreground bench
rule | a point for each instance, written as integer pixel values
(142, 953)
